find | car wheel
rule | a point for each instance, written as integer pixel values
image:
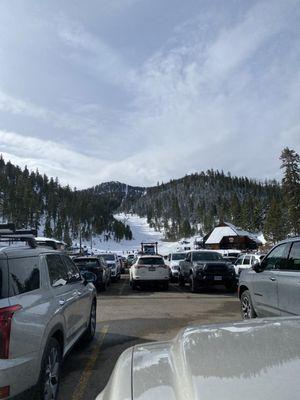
(193, 286)
(247, 309)
(133, 285)
(48, 385)
(91, 329)
(166, 285)
(231, 288)
(181, 282)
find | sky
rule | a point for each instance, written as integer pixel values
(142, 91)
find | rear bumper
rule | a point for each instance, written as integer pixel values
(211, 280)
(151, 281)
(19, 374)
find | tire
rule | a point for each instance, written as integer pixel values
(247, 309)
(181, 282)
(89, 334)
(193, 285)
(133, 285)
(48, 384)
(231, 288)
(166, 286)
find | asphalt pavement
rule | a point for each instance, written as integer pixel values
(126, 317)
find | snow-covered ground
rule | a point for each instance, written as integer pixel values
(141, 232)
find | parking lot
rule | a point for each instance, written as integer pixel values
(126, 317)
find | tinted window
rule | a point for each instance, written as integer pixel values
(108, 257)
(239, 261)
(58, 272)
(151, 261)
(294, 258)
(277, 258)
(87, 263)
(73, 271)
(207, 256)
(24, 275)
(247, 260)
(178, 256)
(3, 279)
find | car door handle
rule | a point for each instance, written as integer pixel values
(272, 278)
(62, 302)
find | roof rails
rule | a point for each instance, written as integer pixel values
(9, 234)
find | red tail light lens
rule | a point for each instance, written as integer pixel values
(4, 392)
(138, 266)
(6, 315)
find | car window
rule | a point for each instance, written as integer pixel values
(3, 279)
(239, 261)
(207, 256)
(151, 261)
(247, 260)
(73, 271)
(58, 272)
(294, 257)
(23, 275)
(276, 259)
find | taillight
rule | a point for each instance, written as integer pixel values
(6, 315)
(164, 266)
(138, 266)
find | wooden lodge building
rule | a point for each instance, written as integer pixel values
(227, 236)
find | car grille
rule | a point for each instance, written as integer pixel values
(217, 269)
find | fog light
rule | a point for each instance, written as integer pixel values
(4, 392)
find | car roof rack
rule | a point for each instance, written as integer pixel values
(9, 234)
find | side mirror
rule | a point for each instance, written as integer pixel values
(88, 277)
(257, 267)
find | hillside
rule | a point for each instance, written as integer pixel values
(196, 202)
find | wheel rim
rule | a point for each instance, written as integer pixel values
(93, 320)
(51, 375)
(246, 308)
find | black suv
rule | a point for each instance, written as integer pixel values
(97, 266)
(206, 268)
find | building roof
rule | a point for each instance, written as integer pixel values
(228, 229)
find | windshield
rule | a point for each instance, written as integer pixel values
(207, 256)
(151, 261)
(178, 256)
(87, 263)
(108, 257)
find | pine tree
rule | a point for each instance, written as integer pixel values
(291, 186)
(275, 224)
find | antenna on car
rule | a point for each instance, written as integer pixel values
(8, 233)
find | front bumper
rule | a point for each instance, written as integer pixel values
(209, 279)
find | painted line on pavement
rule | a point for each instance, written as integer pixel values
(79, 392)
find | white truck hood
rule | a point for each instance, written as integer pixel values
(247, 360)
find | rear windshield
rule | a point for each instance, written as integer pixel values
(207, 256)
(87, 263)
(3, 279)
(151, 261)
(108, 257)
(178, 256)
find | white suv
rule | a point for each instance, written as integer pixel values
(45, 307)
(149, 269)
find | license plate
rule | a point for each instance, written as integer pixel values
(217, 278)
(152, 268)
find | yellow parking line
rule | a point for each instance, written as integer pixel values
(88, 370)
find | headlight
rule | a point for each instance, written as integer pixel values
(199, 266)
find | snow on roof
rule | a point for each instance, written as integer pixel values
(229, 230)
(218, 233)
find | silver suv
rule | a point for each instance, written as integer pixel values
(45, 307)
(271, 287)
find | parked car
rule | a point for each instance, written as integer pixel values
(244, 261)
(130, 259)
(45, 307)
(149, 269)
(174, 259)
(97, 266)
(271, 287)
(242, 360)
(206, 268)
(230, 255)
(113, 263)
